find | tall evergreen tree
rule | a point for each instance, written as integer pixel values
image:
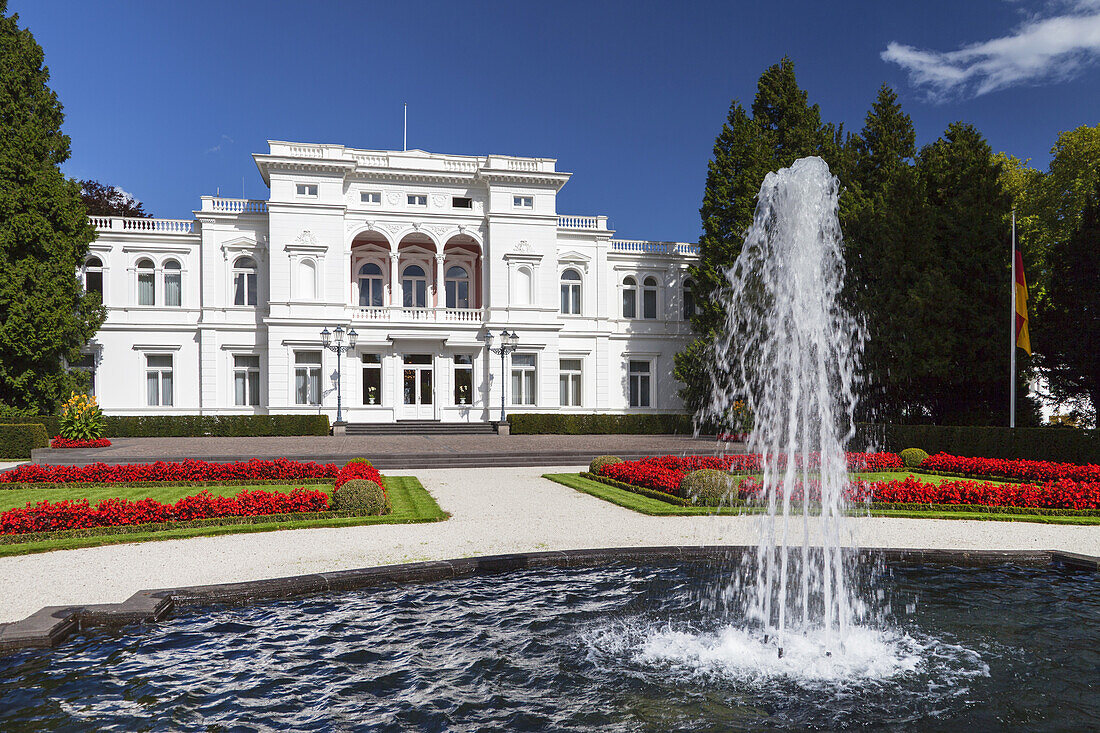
(1071, 310)
(45, 317)
(782, 128)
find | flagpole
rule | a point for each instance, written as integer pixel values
(1012, 332)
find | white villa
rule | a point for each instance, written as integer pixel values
(420, 254)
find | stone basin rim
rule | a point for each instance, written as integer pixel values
(51, 625)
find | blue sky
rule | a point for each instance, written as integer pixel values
(168, 100)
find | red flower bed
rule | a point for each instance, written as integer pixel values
(664, 473)
(256, 469)
(47, 517)
(358, 470)
(1011, 468)
(59, 442)
(1063, 494)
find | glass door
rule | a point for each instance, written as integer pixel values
(417, 388)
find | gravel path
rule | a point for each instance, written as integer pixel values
(495, 510)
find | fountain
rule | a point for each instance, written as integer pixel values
(791, 351)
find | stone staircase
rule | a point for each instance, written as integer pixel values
(421, 427)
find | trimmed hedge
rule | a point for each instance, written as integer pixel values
(634, 489)
(188, 426)
(595, 424)
(1062, 445)
(17, 440)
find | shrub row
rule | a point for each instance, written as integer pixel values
(279, 468)
(17, 440)
(1067, 445)
(187, 426)
(590, 424)
(64, 515)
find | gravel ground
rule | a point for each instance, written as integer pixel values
(495, 510)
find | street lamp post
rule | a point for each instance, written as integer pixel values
(508, 344)
(327, 338)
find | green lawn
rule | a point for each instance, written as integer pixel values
(656, 507)
(411, 503)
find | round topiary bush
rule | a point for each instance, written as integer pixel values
(359, 460)
(362, 496)
(913, 457)
(709, 486)
(601, 461)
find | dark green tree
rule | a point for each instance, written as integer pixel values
(782, 127)
(1071, 311)
(45, 316)
(103, 200)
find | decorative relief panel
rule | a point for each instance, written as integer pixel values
(439, 200)
(393, 197)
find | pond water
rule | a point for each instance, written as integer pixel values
(619, 648)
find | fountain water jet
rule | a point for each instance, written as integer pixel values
(791, 350)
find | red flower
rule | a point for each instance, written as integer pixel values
(58, 442)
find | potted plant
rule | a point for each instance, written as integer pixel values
(372, 395)
(463, 394)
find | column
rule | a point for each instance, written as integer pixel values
(440, 299)
(393, 280)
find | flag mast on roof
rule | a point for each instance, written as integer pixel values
(405, 130)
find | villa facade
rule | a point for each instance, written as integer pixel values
(420, 254)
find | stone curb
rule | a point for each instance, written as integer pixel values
(50, 626)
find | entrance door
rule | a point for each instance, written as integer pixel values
(418, 388)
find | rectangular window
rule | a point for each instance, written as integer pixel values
(372, 379)
(569, 381)
(86, 363)
(307, 377)
(523, 379)
(418, 199)
(464, 379)
(370, 197)
(640, 383)
(649, 302)
(462, 202)
(158, 380)
(307, 189)
(246, 380)
(173, 288)
(523, 202)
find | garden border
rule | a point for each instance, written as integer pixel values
(50, 626)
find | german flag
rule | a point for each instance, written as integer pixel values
(1023, 339)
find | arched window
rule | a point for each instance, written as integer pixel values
(146, 282)
(414, 287)
(370, 285)
(457, 284)
(307, 280)
(630, 297)
(689, 298)
(524, 280)
(571, 292)
(93, 276)
(649, 298)
(244, 281)
(173, 284)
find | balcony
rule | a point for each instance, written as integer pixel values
(234, 206)
(400, 314)
(641, 246)
(139, 224)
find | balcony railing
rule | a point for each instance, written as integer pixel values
(138, 224)
(236, 206)
(641, 246)
(434, 315)
(582, 222)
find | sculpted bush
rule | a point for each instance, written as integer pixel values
(913, 457)
(601, 461)
(363, 496)
(709, 486)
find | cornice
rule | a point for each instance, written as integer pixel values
(266, 163)
(557, 180)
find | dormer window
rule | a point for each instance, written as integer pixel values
(462, 202)
(418, 199)
(523, 202)
(373, 198)
(307, 189)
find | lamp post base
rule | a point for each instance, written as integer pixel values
(503, 428)
(339, 428)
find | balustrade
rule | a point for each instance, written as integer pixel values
(239, 206)
(579, 222)
(138, 224)
(642, 246)
(401, 313)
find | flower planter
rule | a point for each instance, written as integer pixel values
(59, 442)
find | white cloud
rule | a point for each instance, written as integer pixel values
(226, 139)
(1050, 48)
